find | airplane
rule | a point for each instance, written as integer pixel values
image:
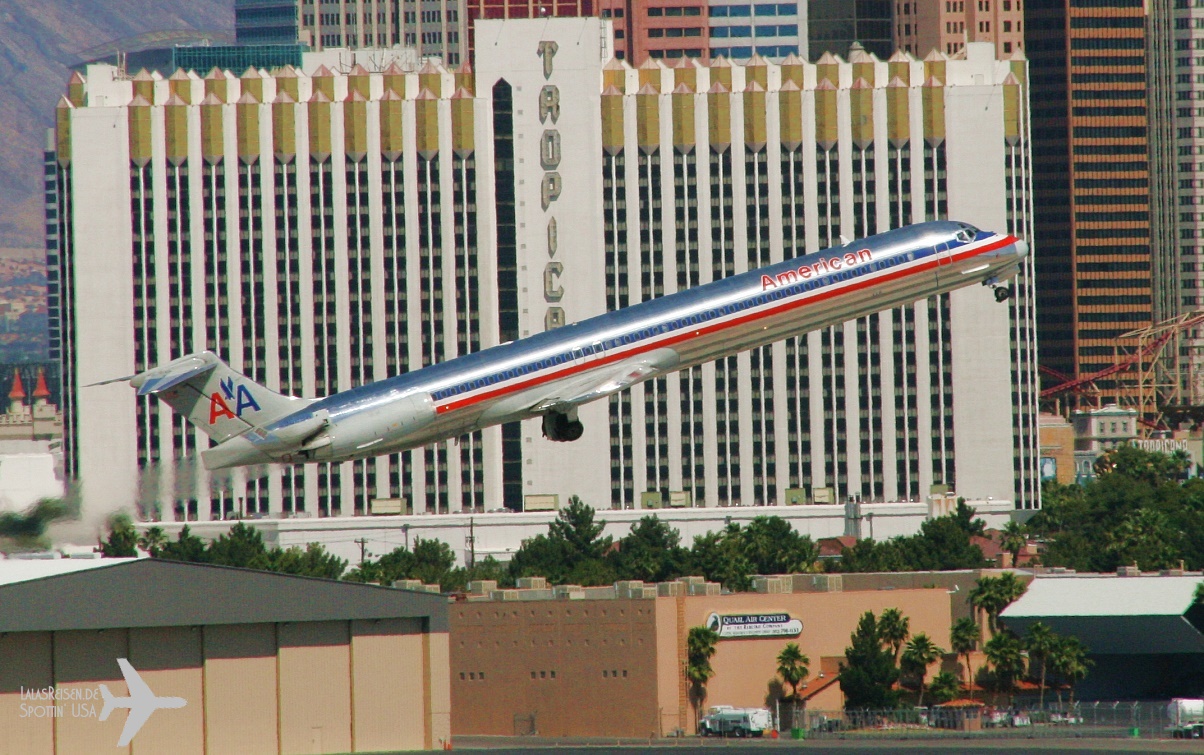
(551, 374)
(141, 702)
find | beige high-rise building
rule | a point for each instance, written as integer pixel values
(321, 229)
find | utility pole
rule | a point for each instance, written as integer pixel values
(363, 544)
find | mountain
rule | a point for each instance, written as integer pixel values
(39, 40)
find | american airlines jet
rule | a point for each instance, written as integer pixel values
(551, 374)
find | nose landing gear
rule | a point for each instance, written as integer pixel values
(1002, 292)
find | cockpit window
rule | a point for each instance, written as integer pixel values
(965, 236)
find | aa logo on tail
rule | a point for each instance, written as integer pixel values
(239, 395)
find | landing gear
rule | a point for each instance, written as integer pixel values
(559, 426)
(1002, 292)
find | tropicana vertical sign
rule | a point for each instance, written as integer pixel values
(550, 186)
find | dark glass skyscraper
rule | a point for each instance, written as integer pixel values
(834, 25)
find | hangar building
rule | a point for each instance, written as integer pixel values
(1144, 632)
(265, 663)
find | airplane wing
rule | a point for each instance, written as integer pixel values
(602, 382)
(138, 688)
(139, 713)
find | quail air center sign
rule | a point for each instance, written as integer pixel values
(733, 626)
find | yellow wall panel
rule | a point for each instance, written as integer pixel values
(315, 687)
(25, 664)
(169, 660)
(82, 660)
(241, 712)
(388, 715)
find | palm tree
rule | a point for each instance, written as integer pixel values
(700, 647)
(793, 667)
(964, 638)
(993, 594)
(1013, 538)
(1040, 641)
(944, 687)
(152, 541)
(1010, 588)
(1005, 653)
(1068, 659)
(921, 652)
(893, 629)
(985, 598)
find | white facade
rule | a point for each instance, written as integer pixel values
(500, 534)
(277, 220)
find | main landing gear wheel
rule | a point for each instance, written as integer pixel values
(560, 427)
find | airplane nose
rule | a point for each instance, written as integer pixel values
(1021, 248)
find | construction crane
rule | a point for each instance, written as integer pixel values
(1158, 380)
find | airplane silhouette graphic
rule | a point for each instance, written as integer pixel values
(141, 702)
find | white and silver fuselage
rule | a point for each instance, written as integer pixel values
(560, 369)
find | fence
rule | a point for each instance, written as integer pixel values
(1088, 720)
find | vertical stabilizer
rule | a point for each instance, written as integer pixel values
(214, 397)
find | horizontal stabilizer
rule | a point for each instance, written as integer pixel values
(170, 378)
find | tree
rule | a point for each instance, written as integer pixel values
(1040, 641)
(576, 528)
(1068, 660)
(718, 556)
(152, 541)
(313, 561)
(894, 628)
(991, 595)
(700, 648)
(921, 653)
(942, 544)
(1138, 509)
(772, 546)
(122, 541)
(187, 547)
(572, 551)
(793, 667)
(868, 675)
(242, 546)
(1010, 588)
(651, 552)
(1147, 538)
(433, 561)
(1005, 653)
(964, 637)
(1012, 539)
(944, 687)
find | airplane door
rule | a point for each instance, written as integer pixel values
(943, 263)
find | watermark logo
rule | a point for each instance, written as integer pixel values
(51, 702)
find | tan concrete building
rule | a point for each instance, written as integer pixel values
(1057, 448)
(265, 663)
(609, 661)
